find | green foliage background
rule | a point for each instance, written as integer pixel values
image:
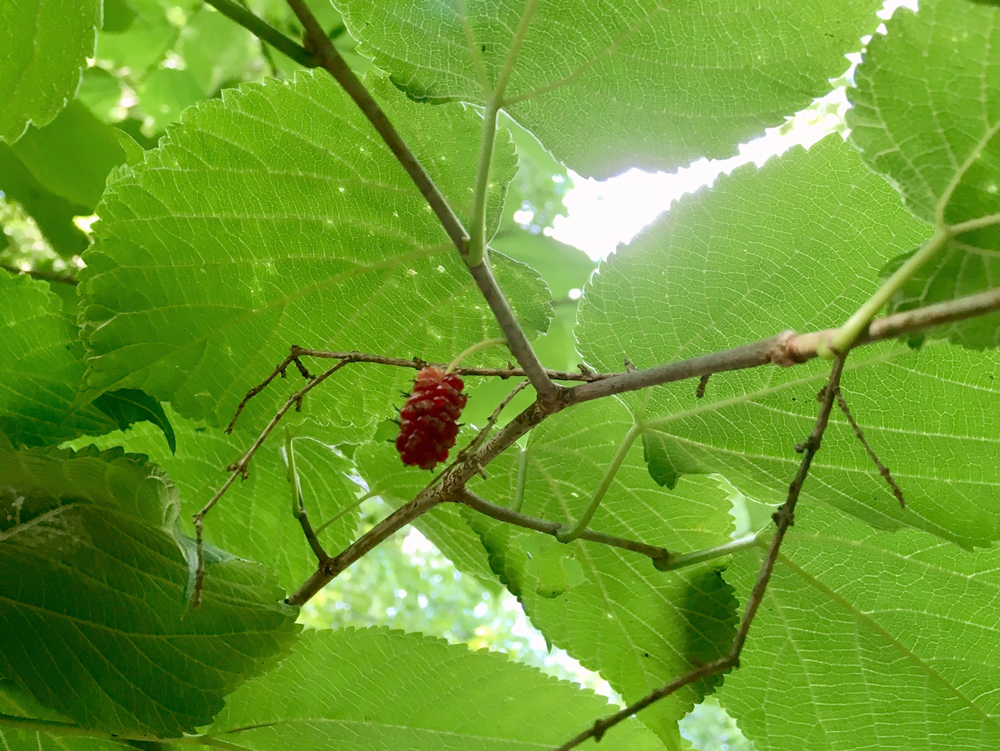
(188, 203)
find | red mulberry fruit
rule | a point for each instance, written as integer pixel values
(428, 424)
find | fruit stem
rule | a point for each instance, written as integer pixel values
(469, 351)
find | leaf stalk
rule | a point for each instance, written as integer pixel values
(856, 324)
(568, 534)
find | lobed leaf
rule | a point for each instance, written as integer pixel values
(792, 246)
(921, 118)
(94, 595)
(611, 85)
(356, 690)
(313, 235)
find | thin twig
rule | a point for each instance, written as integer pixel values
(298, 502)
(786, 348)
(333, 567)
(699, 393)
(265, 32)
(417, 364)
(48, 276)
(335, 65)
(783, 520)
(481, 435)
(510, 516)
(882, 469)
(239, 469)
(518, 343)
(279, 369)
(317, 547)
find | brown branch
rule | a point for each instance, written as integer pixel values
(330, 60)
(333, 567)
(280, 369)
(786, 348)
(490, 422)
(783, 519)
(882, 469)
(239, 469)
(510, 516)
(48, 276)
(443, 489)
(416, 363)
(265, 33)
(335, 65)
(517, 342)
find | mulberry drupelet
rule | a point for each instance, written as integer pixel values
(428, 423)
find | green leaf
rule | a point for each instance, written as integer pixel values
(920, 118)
(958, 270)
(613, 85)
(356, 690)
(52, 214)
(314, 236)
(72, 155)
(45, 49)
(254, 519)
(637, 626)
(118, 16)
(101, 91)
(563, 267)
(17, 704)
(165, 93)
(792, 246)
(41, 368)
(215, 49)
(868, 639)
(78, 530)
(144, 43)
(526, 564)
(387, 477)
(127, 406)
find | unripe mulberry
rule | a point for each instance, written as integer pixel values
(428, 424)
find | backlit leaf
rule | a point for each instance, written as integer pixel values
(921, 119)
(314, 236)
(609, 85)
(797, 245)
(45, 46)
(357, 690)
(95, 587)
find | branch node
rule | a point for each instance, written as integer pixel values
(783, 352)
(629, 367)
(699, 392)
